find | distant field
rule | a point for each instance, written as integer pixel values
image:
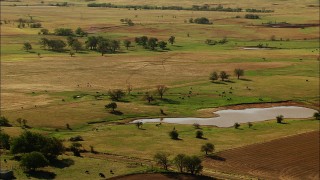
(294, 157)
(52, 89)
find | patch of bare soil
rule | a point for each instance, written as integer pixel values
(294, 157)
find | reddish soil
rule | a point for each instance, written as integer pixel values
(294, 157)
(158, 176)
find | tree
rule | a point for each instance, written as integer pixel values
(4, 141)
(4, 121)
(129, 88)
(63, 32)
(316, 115)
(250, 124)
(162, 159)
(76, 45)
(148, 97)
(112, 106)
(202, 20)
(179, 161)
(71, 53)
(224, 75)
(208, 147)
(27, 46)
(102, 46)
(80, 32)
(279, 119)
(161, 89)
(162, 45)
(114, 45)
(127, 43)
(44, 42)
(116, 94)
(171, 40)
(193, 164)
(236, 125)
(199, 134)
(33, 160)
(174, 134)
(196, 125)
(56, 45)
(75, 148)
(70, 40)
(214, 76)
(28, 142)
(239, 72)
(44, 31)
(139, 124)
(19, 120)
(152, 43)
(92, 42)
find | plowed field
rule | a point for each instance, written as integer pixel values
(295, 157)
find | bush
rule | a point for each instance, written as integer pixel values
(162, 159)
(76, 138)
(279, 118)
(199, 134)
(202, 20)
(4, 140)
(208, 147)
(236, 125)
(316, 115)
(196, 126)
(174, 134)
(33, 160)
(116, 94)
(28, 142)
(193, 164)
(4, 121)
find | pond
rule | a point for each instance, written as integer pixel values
(227, 118)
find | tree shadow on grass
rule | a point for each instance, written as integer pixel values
(219, 82)
(41, 174)
(63, 163)
(216, 157)
(118, 113)
(170, 101)
(244, 79)
(203, 138)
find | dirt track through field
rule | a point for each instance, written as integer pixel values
(295, 157)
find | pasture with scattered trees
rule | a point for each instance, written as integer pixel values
(75, 74)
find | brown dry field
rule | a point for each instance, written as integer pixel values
(160, 177)
(294, 157)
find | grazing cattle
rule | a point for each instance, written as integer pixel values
(102, 175)
(111, 171)
(87, 172)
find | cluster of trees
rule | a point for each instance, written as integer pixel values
(205, 7)
(259, 10)
(214, 42)
(54, 44)
(35, 149)
(69, 32)
(29, 22)
(102, 45)
(152, 43)
(224, 75)
(127, 21)
(184, 163)
(201, 20)
(252, 16)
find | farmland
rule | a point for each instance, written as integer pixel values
(64, 93)
(275, 159)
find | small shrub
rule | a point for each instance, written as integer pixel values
(76, 138)
(236, 125)
(199, 134)
(196, 126)
(279, 118)
(174, 134)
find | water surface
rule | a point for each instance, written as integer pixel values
(227, 118)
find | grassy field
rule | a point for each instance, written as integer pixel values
(41, 88)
